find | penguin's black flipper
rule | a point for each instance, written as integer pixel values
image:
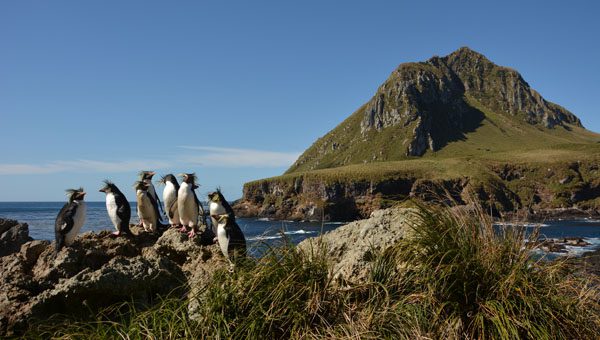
(172, 209)
(155, 205)
(63, 224)
(237, 241)
(225, 204)
(124, 214)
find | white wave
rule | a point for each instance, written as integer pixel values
(521, 224)
(264, 237)
(263, 219)
(590, 220)
(298, 232)
(335, 223)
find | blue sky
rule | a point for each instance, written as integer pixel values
(236, 90)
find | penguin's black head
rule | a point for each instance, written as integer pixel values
(108, 187)
(216, 196)
(190, 178)
(139, 185)
(168, 178)
(213, 197)
(146, 175)
(75, 194)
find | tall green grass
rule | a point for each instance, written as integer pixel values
(462, 278)
(455, 278)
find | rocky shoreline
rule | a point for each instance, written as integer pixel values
(97, 271)
(535, 191)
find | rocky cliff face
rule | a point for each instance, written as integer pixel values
(533, 191)
(98, 271)
(504, 90)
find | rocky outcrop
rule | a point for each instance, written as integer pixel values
(352, 248)
(504, 90)
(529, 190)
(99, 270)
(12, 235)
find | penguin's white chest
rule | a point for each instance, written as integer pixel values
(146, 211)
(223, 240)
(169, 195)
(111, 207)
(188, 209)
(78, 221)
(170, 202)
(217, 209)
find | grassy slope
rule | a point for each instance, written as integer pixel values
(499, 139)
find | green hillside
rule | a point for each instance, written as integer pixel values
(456, 106)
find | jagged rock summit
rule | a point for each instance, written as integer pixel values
(425, 106)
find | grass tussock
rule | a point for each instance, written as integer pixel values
(464, 278)
(457, 277)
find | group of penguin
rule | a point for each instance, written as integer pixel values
(181, 205)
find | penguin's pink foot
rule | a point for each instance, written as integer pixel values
(183, 229)
(115, 233)
(192, 233)
(215, 240)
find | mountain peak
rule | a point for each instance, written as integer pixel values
(425, 106)
(466, 51)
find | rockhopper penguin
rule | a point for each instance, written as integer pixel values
(170, 199)
(118, 208)
(218, 205)
(188, 204)
(70, 219)
(230, 237)
(146, 177)
(146, 207)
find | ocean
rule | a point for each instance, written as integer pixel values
(40, 217)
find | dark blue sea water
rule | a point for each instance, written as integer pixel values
(41, 215)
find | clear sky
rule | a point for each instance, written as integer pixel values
(236, 90)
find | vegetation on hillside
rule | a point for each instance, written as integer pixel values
(460, 105)
(457, 277)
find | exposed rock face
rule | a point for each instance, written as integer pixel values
(12, 235)
(97, 271)
(537, 191)
(351, 248)
(503, 89)
(427, 99)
